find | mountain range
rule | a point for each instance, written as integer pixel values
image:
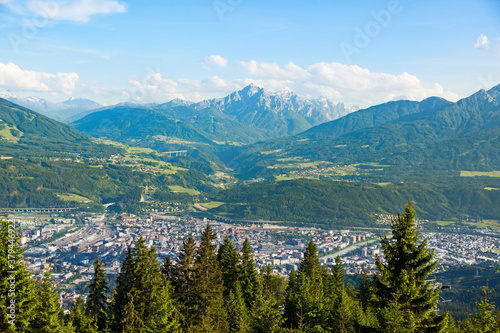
(246, 116)
(63, 111)
(432, 135)
(444, 156)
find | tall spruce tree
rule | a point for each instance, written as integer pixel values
(310, 264)
(229, 263)
(97, 302)
(136, 304)
(250, 278)
(338, 276)
(81, 322)
(163, 317)
(307, 304)
(265, 315)
(182, 277)
(131, 321)
(485, 320)
(48, 318)
(401, 288)
(168, 269)
(120, 293)
(273, 284)
(13, 271)
(207, 282)
(237, 311)
(343, 313)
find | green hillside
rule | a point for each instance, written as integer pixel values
(215, 125)
(412, 140)
(355, 204)
(48, 164)
(25, 133)
(129, 124)
(38, 183)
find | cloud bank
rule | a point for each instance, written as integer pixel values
(14, 77)
(350, 84)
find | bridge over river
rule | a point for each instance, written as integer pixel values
(35, 210)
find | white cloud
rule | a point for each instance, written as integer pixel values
(350, 84)
(215, 60)
(347, 83)
(482, 43)
(75, 10)
(14, 77)
(4, 1)
(155, 88)
(272, 70)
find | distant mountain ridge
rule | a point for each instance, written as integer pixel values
(246, 116)
(58, 111)
(275, 113)
(433, 134)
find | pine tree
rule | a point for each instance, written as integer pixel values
(265, 316)
(228, 259)
(131, 321)
(141, 285)
(236, 310)
(182, 277)
(273, 284)
(250, 278)
(450, 326)
(129, 303)
(485, 320)
(291, 310)
(400, 284)
(167, 269)
(207, 281)
(365, 290)
(12, 268)
(80, 321)
(162, 318)
(48, 311)
(310, 264)
(306, 303)
(122, 290)
(343, 314)
(97, 302)
(338, 276)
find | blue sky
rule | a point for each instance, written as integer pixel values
(357, 52)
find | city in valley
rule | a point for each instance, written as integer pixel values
(70, 242)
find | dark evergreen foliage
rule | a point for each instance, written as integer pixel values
(97, 301)
(188, 295)
(229, 263)
(207, 282)
(13, 271)
(250, 278)
(407, 299)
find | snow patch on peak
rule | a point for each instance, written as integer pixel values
(8, 94)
